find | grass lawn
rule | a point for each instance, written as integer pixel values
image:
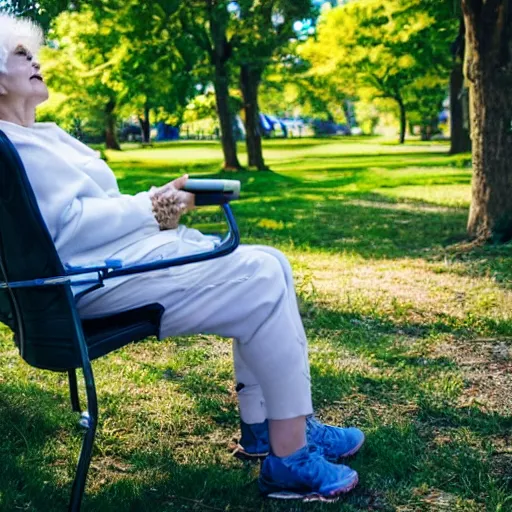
(411, 339)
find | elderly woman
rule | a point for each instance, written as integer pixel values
(248, 296)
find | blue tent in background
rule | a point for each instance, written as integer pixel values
(443, 116)
(167, 132)
(278, 127)
(266, 125)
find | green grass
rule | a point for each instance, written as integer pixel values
(409, 336)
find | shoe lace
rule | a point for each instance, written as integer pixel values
(320, 433)
(311, 465)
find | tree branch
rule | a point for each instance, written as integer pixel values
(472, 9)
(197, 33)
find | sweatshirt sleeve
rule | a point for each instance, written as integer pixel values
(90, 222)
(84, 220)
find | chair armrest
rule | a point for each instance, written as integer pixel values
(209, 192)
(43, 281)
(95, 267)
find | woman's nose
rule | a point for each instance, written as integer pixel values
(36, 66)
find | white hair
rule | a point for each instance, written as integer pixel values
(15, 32)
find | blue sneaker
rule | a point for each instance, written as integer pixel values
(254, 443)
(305, 475)
(334, 443)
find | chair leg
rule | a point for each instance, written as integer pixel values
(84, 461)
(82, 468)
(90, 422)
(73, 391)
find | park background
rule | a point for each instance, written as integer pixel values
(391, 110)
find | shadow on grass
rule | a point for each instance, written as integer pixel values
(383, 160)
(31, 472)
(405, 389)
(379, 231)
(393, 365)
(31, 425)
(367, 330)
(395, 457)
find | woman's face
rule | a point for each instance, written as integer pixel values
(23, 79)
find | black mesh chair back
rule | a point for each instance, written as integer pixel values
(41, 317)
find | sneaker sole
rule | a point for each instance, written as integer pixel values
(332, 497)
(241, 454)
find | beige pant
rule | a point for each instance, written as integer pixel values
(248, 296)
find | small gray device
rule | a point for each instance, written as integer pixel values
(210, 191)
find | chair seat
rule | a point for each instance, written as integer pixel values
(108, 333)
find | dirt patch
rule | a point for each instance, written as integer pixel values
(486, 365)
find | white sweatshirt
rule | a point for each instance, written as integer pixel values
(88, 218)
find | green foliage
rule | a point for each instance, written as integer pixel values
(43, 11)
(201, 107)
(142, 55)
(159, 59)
(264, 29)
(424, 100)
(207, 26)
(83, 62)
(121, 57)
(393, 49)
(288, 90)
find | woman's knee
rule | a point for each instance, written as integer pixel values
(268, 273)
(281, 258)
(266, 289)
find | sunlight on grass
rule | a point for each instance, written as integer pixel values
(448, 195)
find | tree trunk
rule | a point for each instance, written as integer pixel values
(225, 117)
(425, 132)
(350, 114)
(111, 126)
(145, 126)
(428, 128)
(403, 119)
(459, 107)
(220, 53)
(250, 78)
(489, 69)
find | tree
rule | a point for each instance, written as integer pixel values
(120, 57)
(385, 49)
(158, 63)
(459, 101)
(83, 63)
(290, 92)
(43, 11)
(489, 71)
(263, 29)
(208, 23)
(424, 102)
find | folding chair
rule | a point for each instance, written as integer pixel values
(37, 303)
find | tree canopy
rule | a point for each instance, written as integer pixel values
(105, 62)
(397, 50)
